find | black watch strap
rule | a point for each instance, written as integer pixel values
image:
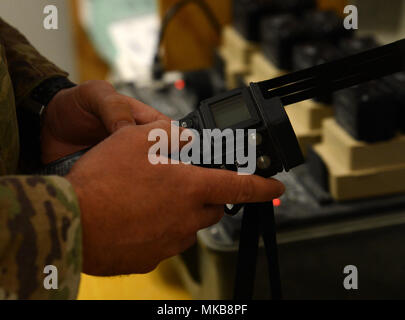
(44, 93)
(30, 121)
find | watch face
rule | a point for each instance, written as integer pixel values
(229, 112)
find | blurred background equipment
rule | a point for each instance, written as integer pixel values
(191, 39)
(247, 15)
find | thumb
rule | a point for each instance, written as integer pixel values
(116, 112)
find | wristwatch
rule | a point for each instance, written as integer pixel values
(30, 121)
(44, 93)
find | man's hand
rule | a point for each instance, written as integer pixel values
(83, 116)
(135, 214)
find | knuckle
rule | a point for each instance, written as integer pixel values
(246, 190)
(116, 100)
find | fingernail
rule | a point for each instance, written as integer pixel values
(121, 124)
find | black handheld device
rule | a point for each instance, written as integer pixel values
(245, 108)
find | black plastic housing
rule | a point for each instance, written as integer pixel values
(397, 83)
(368, 112)
(308, 54)
(267, 116)
(324, 25)
(282, 33)
(248, 14)
(204, 83)
(317, 169)
(354, 45)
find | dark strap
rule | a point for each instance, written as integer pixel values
(62, 166)
(44, 93)
(257, 219)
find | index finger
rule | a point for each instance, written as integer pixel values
(223, 186)
(144, 113)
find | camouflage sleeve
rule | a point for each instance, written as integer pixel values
(39, 227)
(26, 66)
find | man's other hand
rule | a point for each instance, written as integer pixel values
(135, 214)
(83, 116)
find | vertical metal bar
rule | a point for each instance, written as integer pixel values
(247, 256)
(268, 226)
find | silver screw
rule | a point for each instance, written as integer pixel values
(255, 139)
(263, 162)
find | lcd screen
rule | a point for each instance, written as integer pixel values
(230, 112)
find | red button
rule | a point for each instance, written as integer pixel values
(180, 84)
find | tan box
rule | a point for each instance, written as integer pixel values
(306, 137)
(241, 49)
(354, 155)
(234, 68)
(345, 184)
(230, 59)
(263, 68)
(311, 114)
(260, 69)
(248, 79)
(252, 78)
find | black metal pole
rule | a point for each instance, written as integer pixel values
(258, 218)
(247, 256)
(268, 230)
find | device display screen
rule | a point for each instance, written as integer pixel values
(230, 112)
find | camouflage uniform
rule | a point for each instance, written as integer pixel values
(39, 216)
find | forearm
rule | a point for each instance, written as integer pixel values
(26, 66)
(39, 226)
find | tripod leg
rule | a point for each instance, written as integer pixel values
(247, 256)
(268, 228)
